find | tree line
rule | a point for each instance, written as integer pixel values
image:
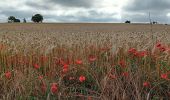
(37, 18)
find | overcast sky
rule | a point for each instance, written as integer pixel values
(87, 10)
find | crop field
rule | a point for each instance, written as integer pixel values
(85, 61)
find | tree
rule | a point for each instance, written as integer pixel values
(24, 20)
(127, 21)
(17, 20)
(37, 18)
(11, 19)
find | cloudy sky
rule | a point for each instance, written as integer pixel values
(87, 10)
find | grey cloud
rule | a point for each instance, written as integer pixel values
(150, 5)
(94, 16)
(17, 13)
(138, 10)
(40, 5)
(49, 4)
(73, 3)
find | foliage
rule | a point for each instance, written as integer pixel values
(37, 18)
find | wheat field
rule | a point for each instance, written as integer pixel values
(84, 61)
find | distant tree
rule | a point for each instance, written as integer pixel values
(154, 22)
(11, 19)
(17, 21)
(127, 21)
(37, 18)
(24, 20)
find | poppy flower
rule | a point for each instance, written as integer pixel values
(162, 49)
(65, 70)
(136, 54)
(40, 77)
(112, 76)
(89, 98)
(158, 45)
(79, 62)
(82, 78)
(122, 63)
(146, 84)
(132, 50)
(125, 74)
(92, 58)
(8, 75)
(164, 76)
(36, 66)
(143, 53)
(65, 66)
(54, 88)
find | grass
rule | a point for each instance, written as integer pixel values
(42, 63)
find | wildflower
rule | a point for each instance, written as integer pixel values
(132, 50)
(142, 53)
(126, 74)
(89, 98)
(65, 66)
(164, 76)
(79, 62)
(36, 66)
(92, 58)
(158, 45)
(54, 88)
(162, 49)
(112, 76)
(8, 75)
(40, 77)
(136, 54)
(122, 63)
(82, 78)
(65, 70)
(146, 84)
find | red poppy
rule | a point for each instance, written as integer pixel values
(65, 70)
(164, 76)
(125, 74)
(112, 76)
(79, 62)
(143, 53)
(82, 78)
(122, 63)
(158, 45)
(8, 75)
(92, 58)
(54, 88)
(40, 77)
(132, 50)
(89, 98)
(162, 49)
(36, 66)
(136, 54)
(65, 66)
(146, 84)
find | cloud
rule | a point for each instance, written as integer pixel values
(148, 5)
(138, 10)
(73, 3)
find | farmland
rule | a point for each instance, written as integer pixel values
(84, 61)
